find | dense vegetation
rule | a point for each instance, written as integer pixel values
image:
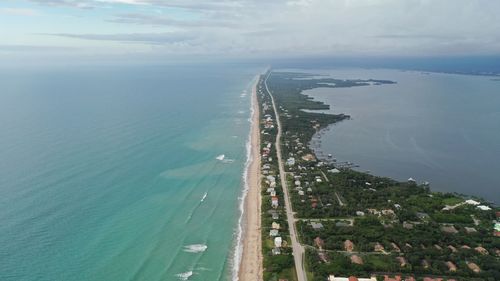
(276, 266)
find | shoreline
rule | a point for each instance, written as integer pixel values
(250, 266)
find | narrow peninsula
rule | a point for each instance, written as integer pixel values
(323, 220)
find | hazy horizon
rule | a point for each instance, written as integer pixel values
(153, 30)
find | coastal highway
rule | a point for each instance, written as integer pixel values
(298, 249)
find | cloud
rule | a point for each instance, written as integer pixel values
(155, 20)
(151, 38)
(29, 48)
(19, 12)
(67, 3)
(184, 4)
(301, 27)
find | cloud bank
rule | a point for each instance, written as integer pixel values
(295, 27)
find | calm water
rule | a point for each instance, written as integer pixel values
(440, 128)
(103, 172)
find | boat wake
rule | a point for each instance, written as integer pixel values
(204, 196)
(195, 248)
(185, 275)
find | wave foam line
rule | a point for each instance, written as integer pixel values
(238, 249)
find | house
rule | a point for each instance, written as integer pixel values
(301, 192)
(319, 243)
(378, 247)
(402, 261)
(388, 212)
(496, 226)
(323, 257)
(421, 215)
(277, 242)
(425, 264)
(481, 250)
(274, 202)
(274, 214)
(470, 229)
(356, 259)
(360, 213)
(395, 247)
(332, 277)
(316, 225)
(334, 171)
(275, 225)
(396, 278)
(374, 212)
(449, 229)
(348, 245)
(472, 266)
(453, 249)
(308, 157)
(273, 193)
(472, 202)
(451, 266)
(276, 251)
(273, 232)
(484, 208)
(290, 161)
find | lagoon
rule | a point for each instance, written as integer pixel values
(436, 127)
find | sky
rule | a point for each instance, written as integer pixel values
(246, 28)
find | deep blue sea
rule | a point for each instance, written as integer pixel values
(436, 127)
(110, 172)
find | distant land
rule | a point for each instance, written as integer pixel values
(352, 224)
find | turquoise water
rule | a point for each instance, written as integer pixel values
(104, 170)
(441, 128)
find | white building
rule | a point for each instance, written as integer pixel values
(278, 242)
(483, 208)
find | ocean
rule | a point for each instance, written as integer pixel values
(111, 172)
(435, 127)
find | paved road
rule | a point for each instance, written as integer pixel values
(298, 249)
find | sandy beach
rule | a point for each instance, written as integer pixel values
(251, 260)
